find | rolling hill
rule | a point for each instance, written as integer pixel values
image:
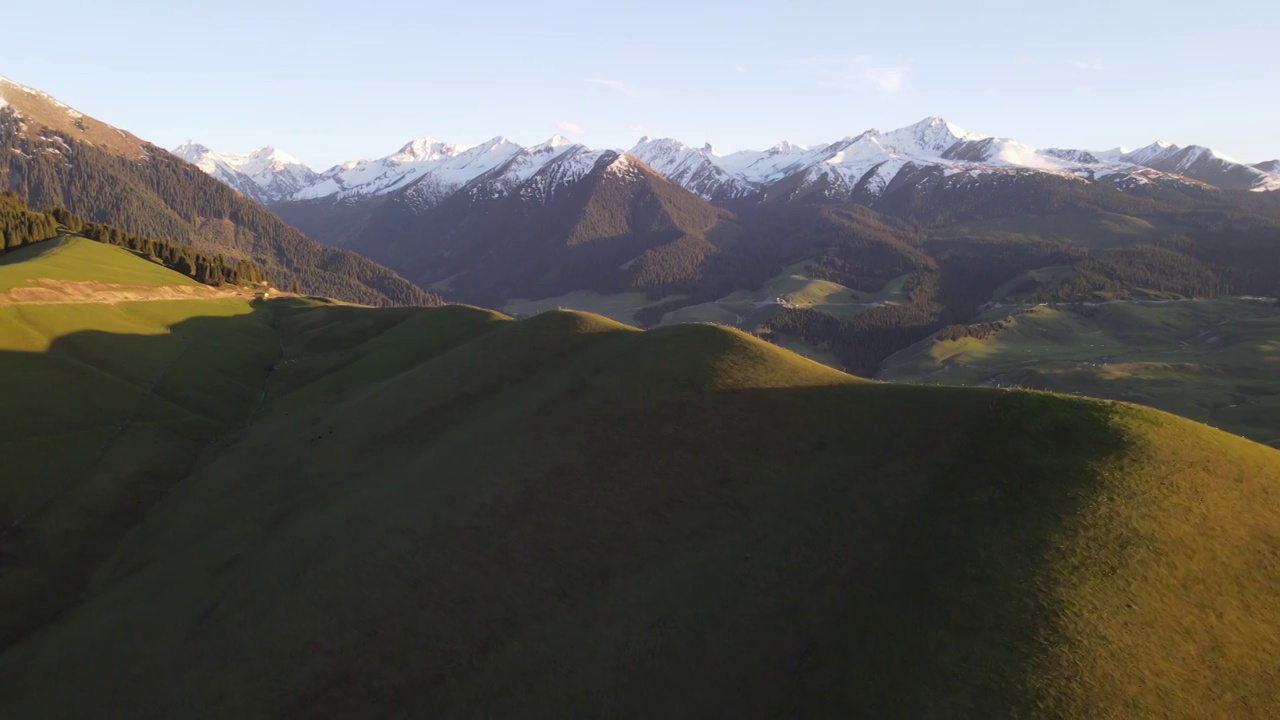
(298, 508)
(56, 156)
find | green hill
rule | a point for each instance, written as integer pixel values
(105, 405)
(441, 512)
(81, 260)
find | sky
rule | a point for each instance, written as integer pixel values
(332, 81)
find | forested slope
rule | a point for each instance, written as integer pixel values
(54, 157)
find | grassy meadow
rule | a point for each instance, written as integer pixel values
(76, 259)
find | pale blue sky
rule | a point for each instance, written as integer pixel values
(329, 81)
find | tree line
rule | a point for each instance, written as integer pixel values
(20, 227)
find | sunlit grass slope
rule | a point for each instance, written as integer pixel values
(81, 260)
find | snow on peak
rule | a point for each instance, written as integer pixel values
(190, 150)
(269, 156)
(1271, 167)
(1155, 152)
(664, 143)
(438, 166)
(1112, 155)
(787, 147)
(431, 169)
(556, 141)
(424, 149)
(930, 137)
(1083, 157)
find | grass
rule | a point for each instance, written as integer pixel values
(77, 259)
(748, 309)
(106, 405)
(619, 306)
(1216, 361)
(443, 512)
(795, 286)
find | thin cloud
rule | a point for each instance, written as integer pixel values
(1094, 63)
(638, 127)
(572, 128)
(742, 69)
(858, 72)
(621, 87)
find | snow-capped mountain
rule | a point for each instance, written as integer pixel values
(1203, 164)
(698, 170)
(265, 175)
(861, 167)
(438, 168)
(535, 171)
(857, 168)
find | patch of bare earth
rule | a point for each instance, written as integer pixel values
(46, 291)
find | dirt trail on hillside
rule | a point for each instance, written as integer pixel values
(54, 292)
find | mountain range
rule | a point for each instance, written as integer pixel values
(932, 216)
(859, 167)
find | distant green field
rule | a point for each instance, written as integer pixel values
(794, 286)
(1217, 361)
(742, 308)
(748, 309)
(82, 260)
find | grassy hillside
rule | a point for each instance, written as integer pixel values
(441, 512)
(1217, 361)
(105, 406)
(81, 260)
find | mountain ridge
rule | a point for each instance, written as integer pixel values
(60, 157)
(858, 165)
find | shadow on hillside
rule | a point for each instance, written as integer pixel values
(802, 551)
(31, 251)
(878, 548)
(97, 428)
